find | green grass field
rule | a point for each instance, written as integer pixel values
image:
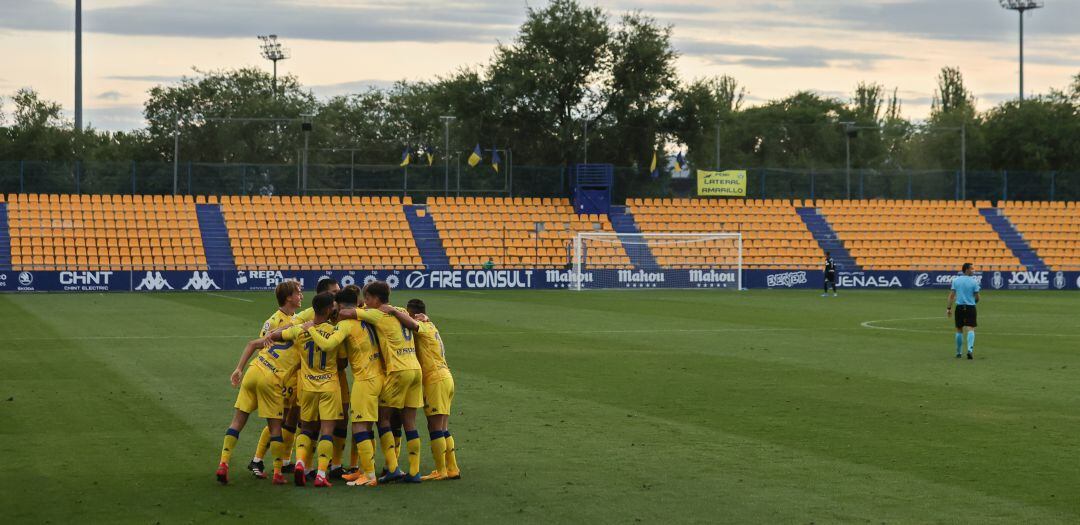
(615, 407)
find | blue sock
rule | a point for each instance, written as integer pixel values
(971, 341)
(959, 342)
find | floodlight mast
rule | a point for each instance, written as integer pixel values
(1020, 6)
(272, 51)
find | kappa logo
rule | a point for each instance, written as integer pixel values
(26, 278)
(201, 281)
(1059, 280)
(154, 281)
(997, 281)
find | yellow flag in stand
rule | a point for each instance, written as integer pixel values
(652, 167)
(404, 158)
(475, 158)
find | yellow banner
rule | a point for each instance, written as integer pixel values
(729, 183)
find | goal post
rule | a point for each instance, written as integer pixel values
(603, 260)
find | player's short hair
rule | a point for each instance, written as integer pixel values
(826, 254)
(284, 290)
(348, 295)
(965, 267)
(379, 290)
(322, 303)
(416, 306)
(325, 284)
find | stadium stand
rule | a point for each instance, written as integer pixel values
(918, 234)
(774, 237)
(104, 232)
(1052, 229)
(317, 233)
(504, 229)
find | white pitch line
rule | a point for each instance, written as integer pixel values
(871, 324)
(231, 297)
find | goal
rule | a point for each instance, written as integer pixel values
(657, 260)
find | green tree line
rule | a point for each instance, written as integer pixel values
(570, 68)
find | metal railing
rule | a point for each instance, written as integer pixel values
(199, 178)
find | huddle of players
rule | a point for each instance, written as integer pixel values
(296, 382)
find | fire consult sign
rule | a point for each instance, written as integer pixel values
(730, 183)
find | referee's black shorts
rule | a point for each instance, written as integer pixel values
(965, 316)
(830, 277)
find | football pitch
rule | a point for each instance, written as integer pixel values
(614, 407)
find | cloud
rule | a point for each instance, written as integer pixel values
(403, 21)
(778, 56)
(147, 78)
(347, 88)
(110, 95)
(115, 118)
(980, 20)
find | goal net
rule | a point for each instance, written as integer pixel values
(657, 260)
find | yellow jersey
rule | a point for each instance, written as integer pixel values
(278, 320)
(431, 353)
(395, 341)
(318, 367)
(305, 315)
(361, 347)
(280, 359)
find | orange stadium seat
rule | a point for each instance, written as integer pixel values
(104, 232)
(774, 236)
(319, 233)
(474, 229)
(1052, 229)
(917, 235)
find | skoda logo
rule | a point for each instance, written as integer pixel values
(25, 278)
(922, 280)
(415, 280)
(997, 281)
(392, 281)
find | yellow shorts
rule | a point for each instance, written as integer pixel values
(260, 391)
(403, 389)
(291, 390)
(438, 396)
(364, 401)
(320, 406)
(343, 386)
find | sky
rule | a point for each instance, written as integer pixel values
(773, 48)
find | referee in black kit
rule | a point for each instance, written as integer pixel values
(830, 275)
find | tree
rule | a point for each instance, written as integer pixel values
(197, 105)
(700, 110)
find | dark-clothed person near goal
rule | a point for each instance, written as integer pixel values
(830, 275)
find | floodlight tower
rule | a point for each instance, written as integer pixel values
(272, 51)
(78, 65)
(1020, 6)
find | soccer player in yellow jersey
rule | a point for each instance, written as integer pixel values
(320, 396)
(364, 358)
(329, 284)
(393, 330)
(262, 388)
(438, 393)
(289, 298)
